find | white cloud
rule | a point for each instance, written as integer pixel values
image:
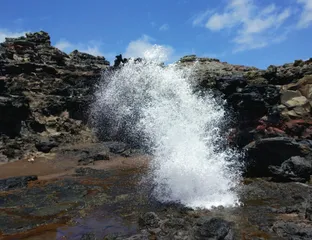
(253, 26)
(219, 21)
(200, 17)
(92, 47)
(143, 47)
(4, 33)
(63, 45)
(164, 27)
(306, 14)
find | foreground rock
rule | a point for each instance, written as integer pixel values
(112, 203)
(213, 228)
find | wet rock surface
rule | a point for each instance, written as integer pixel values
(16, 182)
(108, 206)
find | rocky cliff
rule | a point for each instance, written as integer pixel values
(270, 110)
(44, 94)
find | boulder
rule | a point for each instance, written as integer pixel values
(45, 145)
(213, 228)
(149, 220)
(253, 102)
(296, 102)
(288, 95)
(262, 153)
(296, 169)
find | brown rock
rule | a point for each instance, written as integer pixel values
(288, 95)
(296, 102)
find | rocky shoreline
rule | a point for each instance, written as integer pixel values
(54, 170)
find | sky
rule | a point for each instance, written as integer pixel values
(248, 32)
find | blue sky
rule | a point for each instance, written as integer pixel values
(250, 32)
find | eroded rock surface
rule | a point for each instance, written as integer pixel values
(270, 109)
(44, 93)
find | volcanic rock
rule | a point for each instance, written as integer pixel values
(44, 91)
(272, 151)
(150, 220)
(297, 169)
(45, 145)
(213, 228)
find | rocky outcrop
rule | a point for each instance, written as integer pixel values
(213, 228)
(184, 228)
(272, 151)
(297, 169)
(44, 95)
(271, 108)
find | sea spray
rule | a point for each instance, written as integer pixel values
(179, 128)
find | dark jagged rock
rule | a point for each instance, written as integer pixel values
(288, 73)
(231, 85)
(15, 182)
(150, 220)
(13, 111)
(44, 90)
(272, 151)
(119, 60)
(45, 145)
(213, 228)
(253, 102)
(297, 169)
(87, 61)
(293, 230)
